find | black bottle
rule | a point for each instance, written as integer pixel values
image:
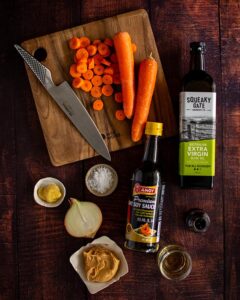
(197, 123)
(198, 220)
(145, 203)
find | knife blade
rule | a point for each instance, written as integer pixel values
(68, 102)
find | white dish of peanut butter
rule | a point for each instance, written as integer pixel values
(99, 264)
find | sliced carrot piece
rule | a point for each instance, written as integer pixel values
(103, 49)
(88, 75)
(97, 80)
(118, 97)
(108, 42)
(134, 47)
(84, 41)
(81, 67)
(106, 62)
(81, 54)
(96, 91)
(108, 71)
(107, 79)
(107, 90)
(97, 59)
(96, 42)
(116, 78)
(74, 43)
(92, 50)
(86, 85)
(119, 114)
(113, 58)
(98, 104)
(98, 70)
(77, 82)
(90, 63)
(73, 71)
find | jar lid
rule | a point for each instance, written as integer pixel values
(154, 128)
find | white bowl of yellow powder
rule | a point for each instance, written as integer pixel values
(49, 192)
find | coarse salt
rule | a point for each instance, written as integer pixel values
(101, 179)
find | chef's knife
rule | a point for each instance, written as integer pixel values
(69, 103)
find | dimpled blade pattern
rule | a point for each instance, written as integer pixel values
(38, 69)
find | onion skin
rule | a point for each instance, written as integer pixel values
(83, 219)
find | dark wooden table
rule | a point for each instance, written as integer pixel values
(34, 246)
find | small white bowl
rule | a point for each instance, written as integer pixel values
(43, 182)
(112, 188)
(77, 262)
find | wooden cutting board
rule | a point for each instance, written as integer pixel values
(64, 143)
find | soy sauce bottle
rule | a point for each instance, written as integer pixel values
(145, 203)
(197, 123)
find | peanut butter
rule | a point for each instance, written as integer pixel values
(101, 264)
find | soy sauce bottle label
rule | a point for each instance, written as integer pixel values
(143, 217)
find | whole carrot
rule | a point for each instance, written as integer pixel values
(123, 47)
(146, 83)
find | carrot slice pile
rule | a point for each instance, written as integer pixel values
(96, 70)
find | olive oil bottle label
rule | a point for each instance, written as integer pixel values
(143, 214)
(197, 133)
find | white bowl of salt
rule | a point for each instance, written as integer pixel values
(101, 180)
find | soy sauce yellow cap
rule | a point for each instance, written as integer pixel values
(154, 128)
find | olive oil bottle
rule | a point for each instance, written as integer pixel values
(145, 204)
(197, 123)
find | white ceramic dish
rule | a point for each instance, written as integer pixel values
(77, 262)
(44, 182)
(112, 188)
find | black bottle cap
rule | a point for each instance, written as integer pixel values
(198, 220)
(198, 46)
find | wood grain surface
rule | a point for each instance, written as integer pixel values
(34, 246)
(64, 143)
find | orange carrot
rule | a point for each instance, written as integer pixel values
(123, 46)
(84, 42)
(106, 62)
(90, 62)
(97, 59)
(107, 79)
(118, 97)
(107, 90)
(108, 71)
(97, 80)
(108, 42)
(134, 47)
(98, 70)
(86, 85)
(103, 49)
(98, 104)
(88, 75)
(96, 42)
(81, 67)
(82, 54)
(113, 58)
(146, 82)
(119, 115)
(74, 43)
(73, 71)
(77, 82)
(96, 91)
(92, 50)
